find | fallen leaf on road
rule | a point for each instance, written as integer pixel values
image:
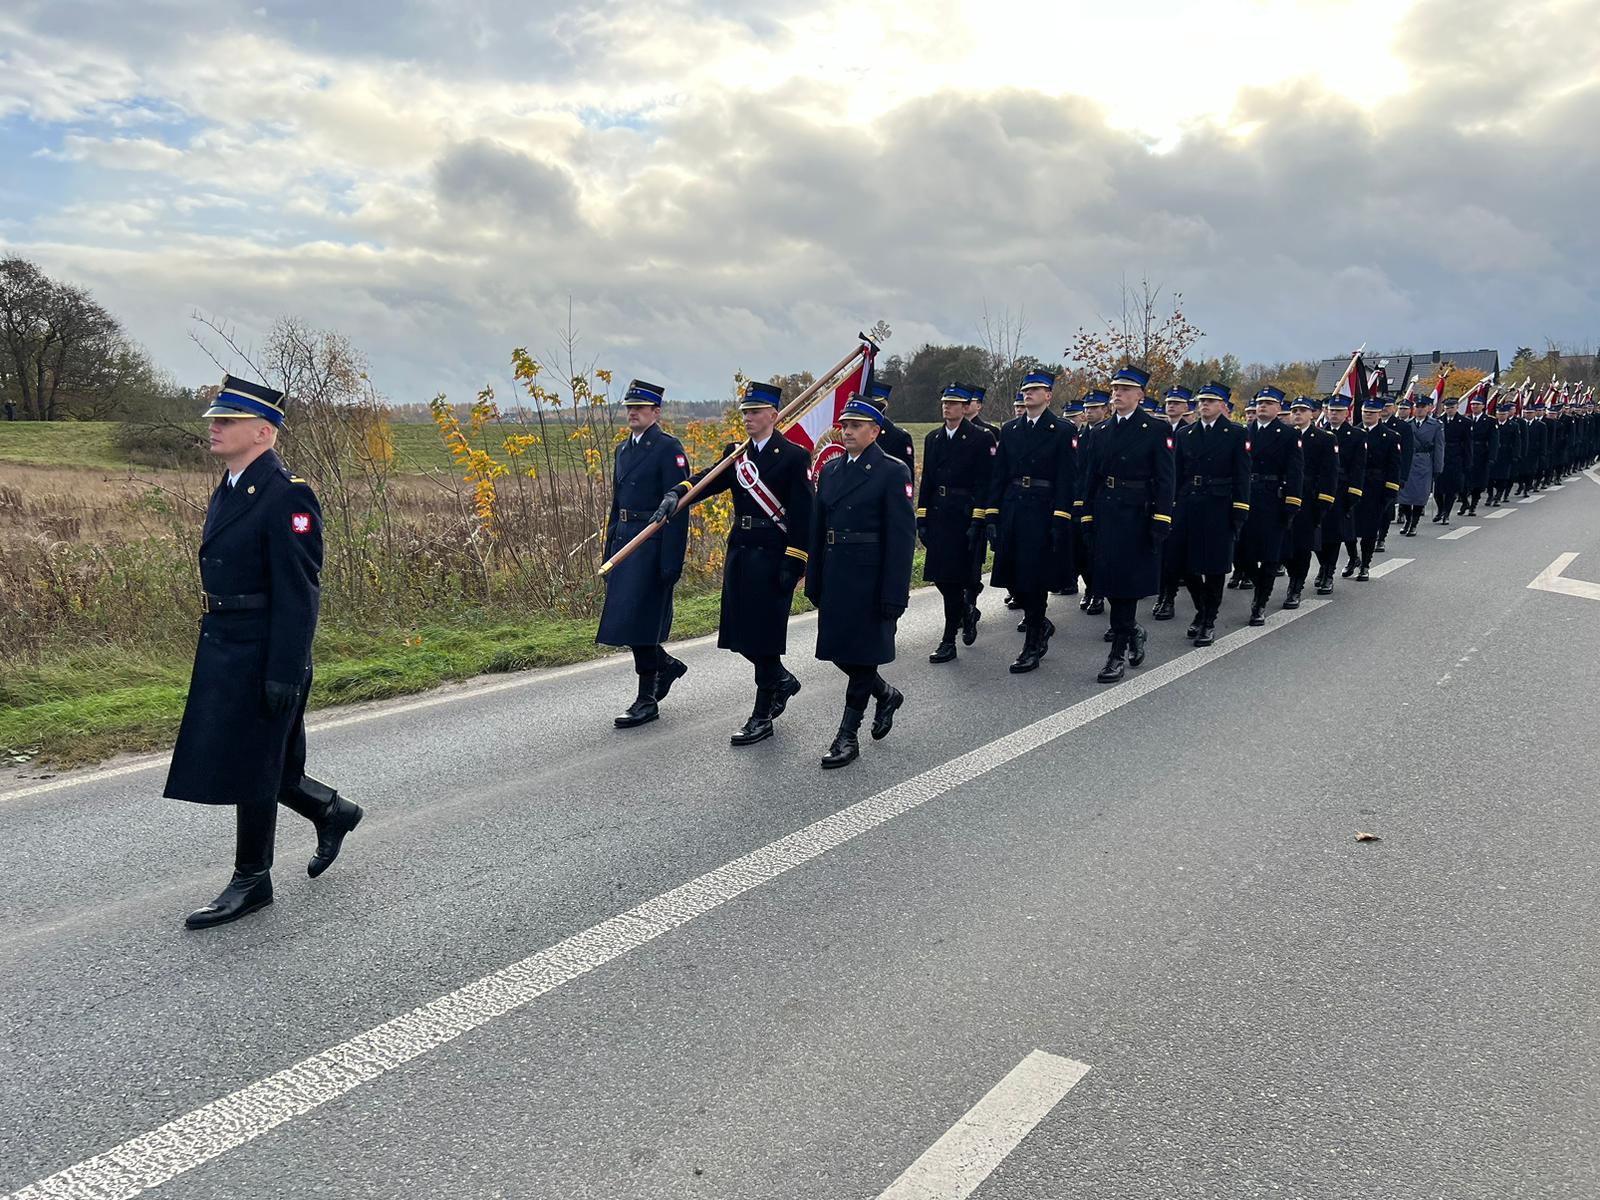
(1368, 837)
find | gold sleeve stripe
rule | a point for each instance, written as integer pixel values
(1241, 504)
(1393, 487)
(1162, 517)
(1325, 496)
(1085, 520)
(991, 512)
(796, 552)
(1065, 516)
(922, 512)
(1294, 500)
(1354, 491)
(979, 513)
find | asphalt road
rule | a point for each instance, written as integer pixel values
(1168, 890)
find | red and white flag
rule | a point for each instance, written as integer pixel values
(811, 430)
(1478, 391)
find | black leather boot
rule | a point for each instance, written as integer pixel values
(883, 712)
(787, 689)
(1208, 631)
(251, 885)
(1194, 626)
(1028, 660)
(1325, 582)
(1292, 598)
(1096, 606)
(1364, 574)
(1115, 667)
(668, 675)
(845, 748)
(969, 625)
(1164, 609)
(1136, 646)
(643, 709)
(333, 816)
(1046, 632)
(945, 651)
(759, 727)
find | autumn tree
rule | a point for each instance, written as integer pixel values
(1148, 332)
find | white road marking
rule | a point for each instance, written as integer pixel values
(1500, 512)
(1389, 566)
(1551, 580)
(954, 1166)
(197, 1137)
(1593, 473)
(1457, 534)
(1534, 499)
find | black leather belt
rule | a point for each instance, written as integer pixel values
(953, 491)
(1113, 484)
(1028, 481)
(836, 536)
(624, 514)
(1266, 478)
(754, 523)
(219, 604)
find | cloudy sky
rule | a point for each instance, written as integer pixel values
(733, 183)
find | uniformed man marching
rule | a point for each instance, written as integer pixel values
(863, 539)
(1383, 458)
(767, 548)
(1452, 477)
(1096, 404)
(980, 552)
(1129, 508)
(1485, 446)
(1339, 526)
(1319, 454)
(950, 516)
(1213, 503)
(243, 736)
(1030, 510)
(638, 606)
(975, 412)
(1276, 475)
(1507, 452)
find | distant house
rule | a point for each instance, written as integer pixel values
(1403, 368)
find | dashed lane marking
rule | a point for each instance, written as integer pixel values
(1457, 534)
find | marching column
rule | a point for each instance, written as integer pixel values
(1485, 448)
(969, 631)
(863, 539)
(1096, 405)
(767, 548)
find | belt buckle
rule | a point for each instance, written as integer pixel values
(941, 489)
(1199, 481)
(831, 538)
(205, 602)
(744, 523)
(1111, 482)
(1027, 481)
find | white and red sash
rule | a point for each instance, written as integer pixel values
(749, 477)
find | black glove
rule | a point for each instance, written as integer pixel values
(1159, 530)
(922, 532)
(1060, 537)
(664, 510)
(1240, 519)
(279, 698)
(1289, 511)
(790, 572)
(974, 536)
(992, 531)
(890, 612)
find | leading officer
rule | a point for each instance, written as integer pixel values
(243, 736)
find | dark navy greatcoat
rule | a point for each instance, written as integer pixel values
(638, 610)
(764, 562)
(1351, 445)
(1213, 484)
(1382, 479)
(1130, 489)
(1426, 462)
(1533, 439)
(1485, 442)
(896, 443)
(1408, 442)
(1507, 450)
(863, 538)
(1457, 454)
(1030, 498)
(1319, 455)
(261, 547)
(951, 503)
(1276, 481)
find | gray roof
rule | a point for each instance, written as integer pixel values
(1404, 367)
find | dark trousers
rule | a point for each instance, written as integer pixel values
(1033, 605)
(1206, 592)
(1328, 556)
(1444, 500)
(769, 669)
(1361, 553)
(648, 659)
(865, 684)
(1124, 615)
(954, 596)
(257, 822)
(1299, 565)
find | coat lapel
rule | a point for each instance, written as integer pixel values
(243, 497)
(853, 475)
